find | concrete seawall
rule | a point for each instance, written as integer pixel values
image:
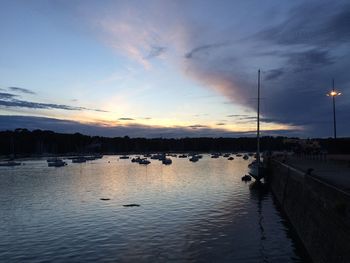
(318, 211)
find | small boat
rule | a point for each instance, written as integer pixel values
(159, 157)
(167, 161)
(57, 163)
(10, 163)
(215, 155)
(136, 159)
(90, 158)
(246, 178)
(194, 159)
(257, 171)
(140, 160)
(144, 162)
(131, 205)
(124, 157)
(80, 159)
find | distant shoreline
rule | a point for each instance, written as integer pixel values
(24, 143)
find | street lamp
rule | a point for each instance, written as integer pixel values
(333, 93)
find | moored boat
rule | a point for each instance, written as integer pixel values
(136, 159)
(256, 169)
(10, 163)
(194, 158)
(167, 161)
(57, 163)
(144, 162)
(80, 159)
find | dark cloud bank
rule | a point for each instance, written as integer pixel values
(21, 90)
(10, 100)
(306, 50)
(316, 40)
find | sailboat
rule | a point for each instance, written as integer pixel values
(256, 169)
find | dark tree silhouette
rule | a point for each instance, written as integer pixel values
(22, 142)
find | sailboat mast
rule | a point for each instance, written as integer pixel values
(258, 122)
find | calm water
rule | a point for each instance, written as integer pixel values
(190, 212)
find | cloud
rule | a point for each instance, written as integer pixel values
(203, 49)
(129, 30)
(314, 23)
(155, 51)
(6, 96)
(308, 60)
(134, 130)
(310, 52)
(9, 101)
(21, 90)
(197, 126)
(300, 46)
(126, 119)
(236, 115)
(298, 57)
(200, 115)
(274, 74)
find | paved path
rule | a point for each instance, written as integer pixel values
(333, 172)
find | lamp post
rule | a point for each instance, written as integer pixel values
(334, 94)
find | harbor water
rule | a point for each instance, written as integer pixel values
(188, 212)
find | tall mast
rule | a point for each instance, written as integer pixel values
(334, 121)
(258, 122)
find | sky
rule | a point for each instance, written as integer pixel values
(174, 68)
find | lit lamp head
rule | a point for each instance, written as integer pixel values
(333, 93)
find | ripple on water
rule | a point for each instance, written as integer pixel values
(188, 212)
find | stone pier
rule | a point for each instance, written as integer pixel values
(315, 195)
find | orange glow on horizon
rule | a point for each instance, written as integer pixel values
(178, 124)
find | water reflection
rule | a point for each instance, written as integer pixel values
(198, 212)
(260, 193)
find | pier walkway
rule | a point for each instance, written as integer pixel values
(332, 171)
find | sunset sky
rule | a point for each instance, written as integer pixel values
(174, 68)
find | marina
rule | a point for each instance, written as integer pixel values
(189, 212)
(175, 131)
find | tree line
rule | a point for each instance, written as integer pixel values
(22, 142)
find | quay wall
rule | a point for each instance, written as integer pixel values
(319, 212)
